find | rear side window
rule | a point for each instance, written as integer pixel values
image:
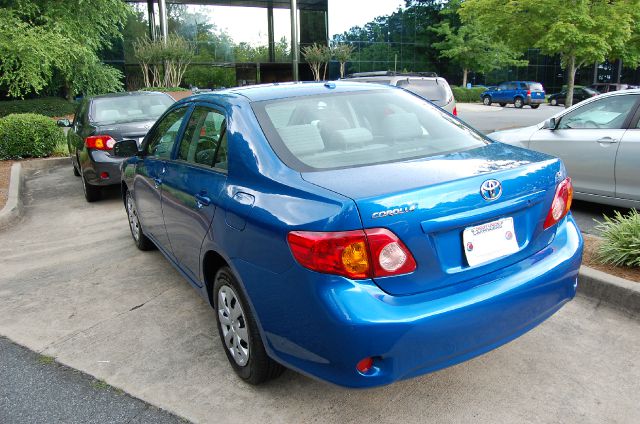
(361, 128)
(534, 86)
(202, 137)
(427, 89)
(609, 113)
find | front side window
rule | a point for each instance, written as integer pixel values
(609, 113)
(331, 131)
(203, 136)
(164, 135)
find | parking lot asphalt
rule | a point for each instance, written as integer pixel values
(36, 390)
(73, 286)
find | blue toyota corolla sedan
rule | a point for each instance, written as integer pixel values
(354, 233)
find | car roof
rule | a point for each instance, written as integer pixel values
(256, 93)
(128, 94)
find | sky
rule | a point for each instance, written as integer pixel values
(249, 24)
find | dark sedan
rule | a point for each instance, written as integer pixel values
(99, 122)
(579, 94)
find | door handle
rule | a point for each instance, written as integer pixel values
(202, 200)
(157, 182)
(607, 140)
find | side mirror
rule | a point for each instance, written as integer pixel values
(63, 123)
(125, 149)
(550, 124)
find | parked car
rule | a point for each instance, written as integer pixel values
(353, 232)
(100, 122)
(599, 142)
(605, 87)
(518, 93)
(579, 94)
(425, 84)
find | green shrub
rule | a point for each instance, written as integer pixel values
(48, 106)
(467, 95)
(621, 239)
(28, 135)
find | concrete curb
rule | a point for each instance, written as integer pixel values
(14, 208)
(619, 292)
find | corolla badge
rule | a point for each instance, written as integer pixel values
(491, 189)
(394, 211)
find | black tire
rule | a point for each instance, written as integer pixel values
(141, 241)
(553, 102)
(255, 367)
(91, 192)
(518, 102)
(75, 170)
(502, 104)
(486, 100)
(535, 106)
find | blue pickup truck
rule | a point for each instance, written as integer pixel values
(518, 93)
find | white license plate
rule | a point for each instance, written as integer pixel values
(486, 242)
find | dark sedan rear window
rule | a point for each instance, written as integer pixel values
(117, 110)
(342, 130)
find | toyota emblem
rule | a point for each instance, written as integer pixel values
(491, 190)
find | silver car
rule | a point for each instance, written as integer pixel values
(599, 142)
(426, 85)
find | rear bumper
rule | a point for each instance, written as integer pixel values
(531, 101)
(326, 324)
(97, 164)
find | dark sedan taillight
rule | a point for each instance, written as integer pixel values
(99, 142)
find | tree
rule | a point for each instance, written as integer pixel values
(316, 56)
(342, 52)
(41, 37)
(580, 31)
(470, 46)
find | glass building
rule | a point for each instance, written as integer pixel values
(238, 42)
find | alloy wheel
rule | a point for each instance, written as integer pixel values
(233, 324)
(134, 223)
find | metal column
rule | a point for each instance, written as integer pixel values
(152, 19)
(294, 39)
(162, 9)
(272, 44)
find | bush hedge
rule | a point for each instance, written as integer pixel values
(467, 95)
(48, 106)
(621, 239)
(28, 135)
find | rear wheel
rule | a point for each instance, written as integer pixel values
(518, 103)
(75, 170)
(553, 102)
(535, 106)
(91, 192)
(486, 100)
(239, 332)
(502, 104)
(142, 242)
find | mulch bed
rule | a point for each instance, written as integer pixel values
(590, 246)
(5, 174)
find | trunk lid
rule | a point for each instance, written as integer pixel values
(435, 199)
(135, 130)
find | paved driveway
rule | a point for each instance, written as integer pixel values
(72, 285)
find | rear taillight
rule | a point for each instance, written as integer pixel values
(455, 111)
(99, 142)
(357, 254)
(561, 203)
(529, 93)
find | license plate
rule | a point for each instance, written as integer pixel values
(486, 242)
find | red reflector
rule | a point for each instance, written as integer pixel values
(99, 142)
(455, 111)
(365, 365)
(104, 175)
(561, 203)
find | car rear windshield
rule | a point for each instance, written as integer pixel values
(341, 130)
(534, 86)
(428, 89)
(115, 110)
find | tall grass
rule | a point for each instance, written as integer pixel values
(621, 239)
